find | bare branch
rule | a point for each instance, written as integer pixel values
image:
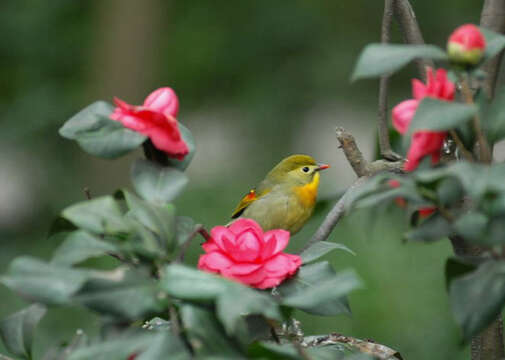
(493, 17)
(411, 32)
(199, 229)
(335, 214)
(352, 153)
(355, 158)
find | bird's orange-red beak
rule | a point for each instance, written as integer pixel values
(323, 166)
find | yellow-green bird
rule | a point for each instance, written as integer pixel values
(285, 199)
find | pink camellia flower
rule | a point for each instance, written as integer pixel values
(155, 119)
(466, 45)
(244, 253)
(424, 143)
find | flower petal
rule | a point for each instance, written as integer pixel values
(275, 241)
(220, 234)
(163, 100)
(248, 246)
(243, 224)
(403, 114)
(268, 283)
(243, 269)
(418, 89)
(215, 261)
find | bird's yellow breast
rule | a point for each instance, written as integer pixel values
(307, 193)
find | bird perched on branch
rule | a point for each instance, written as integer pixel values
(285, 199)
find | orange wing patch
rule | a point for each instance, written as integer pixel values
(245, 202)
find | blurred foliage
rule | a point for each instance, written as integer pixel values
(271, 62)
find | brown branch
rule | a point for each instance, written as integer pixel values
(382, 124)
(493, 17)
(363, 170)
(411, 32)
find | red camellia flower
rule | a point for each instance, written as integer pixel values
(243, 252)
(424, 143)
(155, 119)
(466, 45)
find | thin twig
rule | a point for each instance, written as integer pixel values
(87, 193)
(174, 320)
(484, 150)
(412, 33)
(382, 124)
(301, 351)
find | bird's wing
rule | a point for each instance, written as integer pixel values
(249, 198)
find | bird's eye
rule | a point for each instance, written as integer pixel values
(306, 169)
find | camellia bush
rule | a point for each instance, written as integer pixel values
(238, 301)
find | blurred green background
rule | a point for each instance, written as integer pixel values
(257, 80)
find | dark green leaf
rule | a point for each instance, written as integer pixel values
(190, 141)
(79, 246)
(231, 312)
(100, 215)
(382, 59)
(438, 115)
(309, 278)
(494, 43)
(449, 191)
(160, 219)
(60, 224)
(434, 228)
(117, 349)
(17, 330)
(494, 119)
(270, 350)
(99, 135)
(163, 346)
(46, 283)
(190, 284)
(123, 293)
(205, 335)
(472, 226)
(325, 291)
(185, 227)
(321, 248)
(455, 268)
(478, 297)
(156, 183)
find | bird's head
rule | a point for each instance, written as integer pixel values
(296, 170)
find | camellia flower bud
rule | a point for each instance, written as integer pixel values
(466, 45)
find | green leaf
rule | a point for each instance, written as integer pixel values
(325, 291)
(383, 59)
(17, 330)
(494, 119)
(478, 297)
(101, 215)
(79, 246)
(434, 228)
(270, 350)
(438, 115)
(205, 334)
(231, 312)
(99, 135)
(457, 267)
(165, 345)
(124, 293)
(495, 43)
(472, 226)
(190, 284)
(321, 248)
(309, 278)
(160, 219)
(185, 227)
(156, 183)
(190, 142)
(157, 324)
(45, 283)
(117, 349)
